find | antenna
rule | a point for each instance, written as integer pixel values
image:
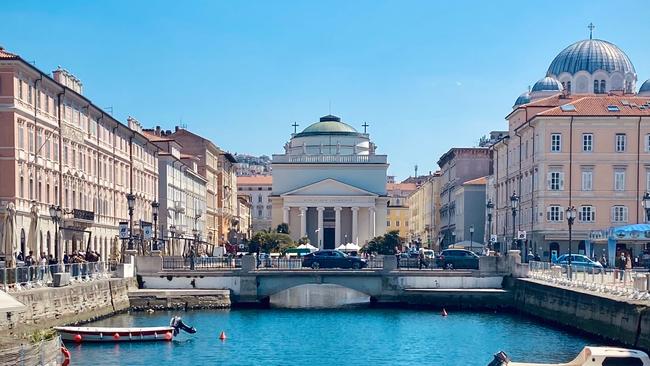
(109, 109)
(416, 170)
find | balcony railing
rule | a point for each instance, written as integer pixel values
(327, 159)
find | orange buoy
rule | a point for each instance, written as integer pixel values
(116, 336)
(444, 312)
(77, 338)
(168, 336)
(222, 336)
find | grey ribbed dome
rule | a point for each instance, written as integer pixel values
(645, 88)
(547, 84)
(523, 99)
(591, 55)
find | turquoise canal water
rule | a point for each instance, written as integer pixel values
(336, 337)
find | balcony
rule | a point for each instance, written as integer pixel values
(329, 159)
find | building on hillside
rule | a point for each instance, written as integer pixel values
(258, 187)
(330, 185)
(457, 166)
(470, 211)
(248, 165)
(182, 195)
(579, 139)
(424, 212)
(60, 150)
(398, 211)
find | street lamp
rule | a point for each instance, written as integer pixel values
(514, 203)
(471, 238)
(570, 217)
(55, 214)
(130, 200)
(154, 211)
(645, 202)
(489, 206)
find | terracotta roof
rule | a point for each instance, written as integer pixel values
(477, 181)
(603, 105)
(401, 186)
(187, 156)
(4, 54)
(255, 180)
(155, 138)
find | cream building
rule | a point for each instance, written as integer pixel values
(398, 210)
(584, 144)
(258, 188)
(59, 149)
(424, 212)
(330, 185)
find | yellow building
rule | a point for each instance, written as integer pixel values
(397, 217)
(424, 212)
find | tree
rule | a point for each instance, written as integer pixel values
(385, 244)
(283, 228)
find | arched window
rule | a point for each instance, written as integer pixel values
(22, 242)
(568, 86)
(596, 87)
(602, 86)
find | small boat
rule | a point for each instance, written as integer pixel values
(590, 356)
(115, 334)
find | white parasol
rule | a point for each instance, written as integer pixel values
(32, 239)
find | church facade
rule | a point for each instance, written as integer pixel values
(330, 185)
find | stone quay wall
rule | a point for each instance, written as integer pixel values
(80, 302)
(179, 299)
(620, 320)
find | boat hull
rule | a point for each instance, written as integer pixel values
(98, 334)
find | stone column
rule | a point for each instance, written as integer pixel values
(320, 226)
(337, 226)
(371, 222)
(303, 222)
(285, 214)
(355, 225)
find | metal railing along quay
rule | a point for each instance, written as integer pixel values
(200, 263)
(632, 284)
(28, 277)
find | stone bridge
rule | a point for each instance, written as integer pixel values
(338, 287)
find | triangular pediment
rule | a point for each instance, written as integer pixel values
(329, 187)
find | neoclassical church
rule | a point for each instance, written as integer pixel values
(330, 185)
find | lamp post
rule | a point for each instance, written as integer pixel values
(514, 204)
(130, 200)
(154, 211)
(489, 206)
(55, 214)
(570, 217)
(471, 238)
(645, 202)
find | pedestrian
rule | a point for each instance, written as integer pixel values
(421, 258)
(42, 266)
(397, 254)
(537, 258)
(621, 262)
(603, 261)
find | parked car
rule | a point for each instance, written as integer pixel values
(580, 262)
(332, 259)
(457, 258)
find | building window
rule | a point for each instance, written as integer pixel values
(21, 135)
(20, 89)
(602, 87)
(29, 95)
(587, 180)
(259, 213)
(259, 199)
(587, 214)
(619, 180)
(31, 139)
(620, 142)
(587, 142)
(556, 142)
(568, 86)
(554, 213)
(619, 214)
(21, 187)
(556, 181)
(388, 223)
(397, 223)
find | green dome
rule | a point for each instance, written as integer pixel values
(328, 125)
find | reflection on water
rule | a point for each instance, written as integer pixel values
(336, 337)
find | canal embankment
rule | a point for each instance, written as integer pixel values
(621, 320)
(178, 299)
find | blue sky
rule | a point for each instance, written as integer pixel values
(426, 76)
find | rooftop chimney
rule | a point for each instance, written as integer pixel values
(64, 77)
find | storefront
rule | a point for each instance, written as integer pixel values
(634, 240)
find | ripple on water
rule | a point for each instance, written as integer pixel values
(336, 337)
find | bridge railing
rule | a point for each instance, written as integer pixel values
(628, 283)
(200, 263)
(409, 264)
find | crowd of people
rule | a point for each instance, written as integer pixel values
(43, 263)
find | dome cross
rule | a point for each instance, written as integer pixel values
(365, 127)
(295, 127)
(591, 27)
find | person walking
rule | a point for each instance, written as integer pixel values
(621, 262)
(397, 254)
(421, 258)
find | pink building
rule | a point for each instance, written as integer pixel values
(57, 148)
(571, 145)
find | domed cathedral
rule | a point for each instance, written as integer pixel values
(330, 185)
(590, 66)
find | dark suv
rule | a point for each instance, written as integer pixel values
(332, 259)
(457, 258)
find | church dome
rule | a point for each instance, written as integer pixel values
(644, 90)
(523, 99)
(328, 125)
(547, 84)
(591, 55)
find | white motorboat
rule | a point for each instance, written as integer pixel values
(590, 356)
(128, 334)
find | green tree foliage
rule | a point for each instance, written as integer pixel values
(384, 244)
(270, 242)
(283, 228)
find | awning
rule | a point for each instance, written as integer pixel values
(8, 304)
